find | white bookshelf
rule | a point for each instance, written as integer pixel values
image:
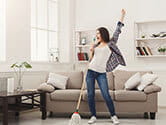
(146, 29)
(88, 35)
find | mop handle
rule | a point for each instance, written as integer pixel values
(79, 100)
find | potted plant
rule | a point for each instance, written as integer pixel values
(19, 69)
(162, 50)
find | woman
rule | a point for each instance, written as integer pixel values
(105, 56)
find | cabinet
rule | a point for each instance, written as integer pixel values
(150, 38)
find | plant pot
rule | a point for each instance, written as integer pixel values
(162, 53)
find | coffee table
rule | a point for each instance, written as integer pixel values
(24, 100)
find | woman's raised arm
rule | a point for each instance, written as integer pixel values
(118, 27)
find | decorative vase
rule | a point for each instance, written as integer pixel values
(19, 85)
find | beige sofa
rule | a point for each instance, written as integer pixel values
(126, 101)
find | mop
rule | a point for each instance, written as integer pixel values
(76, 118)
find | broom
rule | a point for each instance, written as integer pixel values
(76, 118)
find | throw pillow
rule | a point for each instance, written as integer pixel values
(133, 81)
(46, 87)
(57, 80)
(146, 80)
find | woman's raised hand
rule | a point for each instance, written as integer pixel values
(123, 13)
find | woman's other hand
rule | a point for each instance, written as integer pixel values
(91, 51)
(92, 47)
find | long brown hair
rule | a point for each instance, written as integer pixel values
(104, 34)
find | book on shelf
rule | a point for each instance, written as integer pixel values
(149, 50)
(86, 56)
(80, 56)
(145, 50)
(143, 53)
(83, 56)
(140, 50)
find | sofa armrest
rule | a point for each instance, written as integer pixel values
(152, 88)
(46, 87)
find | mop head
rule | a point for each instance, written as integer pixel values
(75, 119)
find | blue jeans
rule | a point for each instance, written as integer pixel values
(103, 85)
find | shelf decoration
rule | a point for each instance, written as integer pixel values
(162, 50)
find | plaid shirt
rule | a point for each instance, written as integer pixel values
(116, 57)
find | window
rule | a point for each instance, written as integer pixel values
(2, 30)
(44, 29)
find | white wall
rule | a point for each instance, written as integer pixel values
(91, 14)
(17, 29)
(18, 39)
(66, 26)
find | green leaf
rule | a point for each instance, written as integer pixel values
(17, 66)
(27, 65)
(13, 65)
(23, 64)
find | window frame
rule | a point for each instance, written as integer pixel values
(48, 30)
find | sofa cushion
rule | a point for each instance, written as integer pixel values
(98, 95)
(121, 76)
(109, 78)
(128, 95)
(152, 88)
(65, 95)
(75, 79)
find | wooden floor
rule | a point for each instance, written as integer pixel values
(33, 118)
